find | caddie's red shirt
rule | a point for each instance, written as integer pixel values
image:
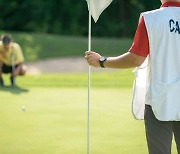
(140, 45)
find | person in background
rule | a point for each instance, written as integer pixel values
(158, 38)
(11, 59)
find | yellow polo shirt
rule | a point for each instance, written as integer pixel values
(6, 55)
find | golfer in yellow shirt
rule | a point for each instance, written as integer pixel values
(11, 59)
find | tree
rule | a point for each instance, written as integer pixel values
(70, 17)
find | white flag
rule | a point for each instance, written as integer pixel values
(97, 7)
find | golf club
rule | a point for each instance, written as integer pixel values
(13, 67)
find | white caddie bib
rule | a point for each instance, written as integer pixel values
(162, 87)
(139, 90)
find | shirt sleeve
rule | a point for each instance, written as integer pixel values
(140, 45)
(19, 54)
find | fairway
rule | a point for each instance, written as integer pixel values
(55, 120)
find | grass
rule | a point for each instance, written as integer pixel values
(55, 120)
(38, 46)
(55, 124)
(117, 79)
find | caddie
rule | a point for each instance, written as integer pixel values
(158, 38)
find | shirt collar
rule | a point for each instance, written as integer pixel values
(172, 4)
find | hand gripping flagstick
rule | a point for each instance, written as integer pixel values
(96, 7)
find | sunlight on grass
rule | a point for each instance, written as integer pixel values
(118, 79)
(55, 120)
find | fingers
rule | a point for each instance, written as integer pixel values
(88, 54)
(92, 58)
(90, 62)
(87, 57)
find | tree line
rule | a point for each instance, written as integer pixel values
(70, 17)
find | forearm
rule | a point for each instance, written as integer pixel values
(17, 70)
(19, 66)
(127, 60)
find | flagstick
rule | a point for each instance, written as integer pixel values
(89, 75)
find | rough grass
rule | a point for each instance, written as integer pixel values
(38, 46)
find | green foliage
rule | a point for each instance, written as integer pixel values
(70, 17)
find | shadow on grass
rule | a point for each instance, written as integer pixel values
(14, 90)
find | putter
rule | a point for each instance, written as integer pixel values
(13, 68)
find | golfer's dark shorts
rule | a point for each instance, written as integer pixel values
(7, 69)
(159, 134)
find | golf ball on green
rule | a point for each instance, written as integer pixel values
(23, 108)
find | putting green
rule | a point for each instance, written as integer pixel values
(55, 119)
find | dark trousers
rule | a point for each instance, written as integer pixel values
(7, 69)
(159, 133)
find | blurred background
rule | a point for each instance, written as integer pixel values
(34, 24)
(70, 17)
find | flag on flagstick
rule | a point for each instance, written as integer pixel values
(96, 7)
